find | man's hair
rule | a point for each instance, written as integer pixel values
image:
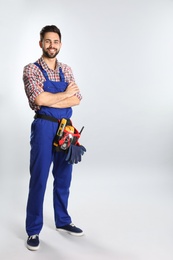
(49, 28)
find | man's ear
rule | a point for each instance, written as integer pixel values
(40, 44)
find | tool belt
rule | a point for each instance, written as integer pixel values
(66, 134)
(46, 117)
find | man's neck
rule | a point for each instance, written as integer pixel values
(51, 63)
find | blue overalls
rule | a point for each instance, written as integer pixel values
(41, 157)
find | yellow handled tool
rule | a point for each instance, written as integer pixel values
(60, 130)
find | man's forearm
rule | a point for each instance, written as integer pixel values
(48, 99)
(51, 99)
(68, 102)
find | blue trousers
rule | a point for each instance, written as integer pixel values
(41, 158)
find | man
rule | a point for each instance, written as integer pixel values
(51, 92)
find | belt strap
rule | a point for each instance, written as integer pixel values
(46, 117)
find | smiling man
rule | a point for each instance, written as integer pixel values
(52, 92)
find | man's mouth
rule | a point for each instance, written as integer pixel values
(52, 50)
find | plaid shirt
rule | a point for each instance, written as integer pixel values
(34, 79)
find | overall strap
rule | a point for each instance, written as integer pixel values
(42, 70)
(61, 74)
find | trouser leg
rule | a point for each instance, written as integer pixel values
(37, 186)
(62, 173)
(40, 161)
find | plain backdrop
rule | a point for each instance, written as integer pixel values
(121, 54)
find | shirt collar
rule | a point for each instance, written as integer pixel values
(44, 65)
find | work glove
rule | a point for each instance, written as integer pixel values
(75, 153)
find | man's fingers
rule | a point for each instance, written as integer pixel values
(73, 86)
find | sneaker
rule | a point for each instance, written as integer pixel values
(71, 229)
(33, 242)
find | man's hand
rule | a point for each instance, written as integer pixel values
(72, 89)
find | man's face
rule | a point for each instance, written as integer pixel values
(50, 45)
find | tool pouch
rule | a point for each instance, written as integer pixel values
(66, 135)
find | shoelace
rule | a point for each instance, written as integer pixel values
(33, 237)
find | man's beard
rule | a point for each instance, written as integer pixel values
(48, 55)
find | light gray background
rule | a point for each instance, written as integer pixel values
(121, 53)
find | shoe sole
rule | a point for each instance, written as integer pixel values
(69, 232)
(33, 248)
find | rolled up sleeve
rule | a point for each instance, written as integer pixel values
(70, 78)
(33, 84)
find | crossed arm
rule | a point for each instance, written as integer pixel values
(64, 99)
